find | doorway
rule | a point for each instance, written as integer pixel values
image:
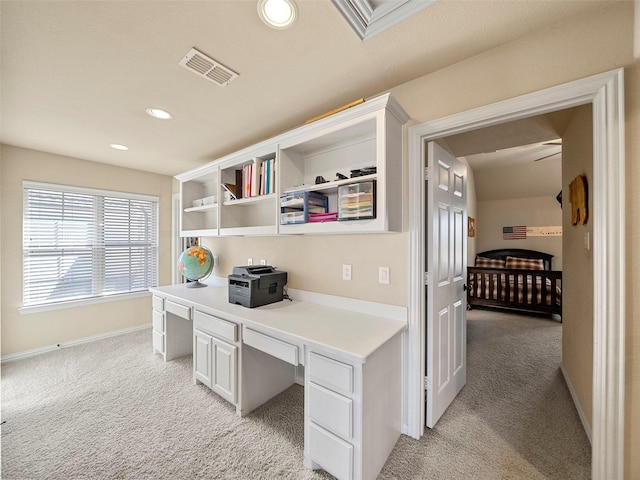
(605, 93)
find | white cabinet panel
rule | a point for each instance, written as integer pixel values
(158, 321)
(215, 364)
(224, 369)
(331, 410)
(177, 309)
(216, 326)
(331, 373)
(158, 342)
(202, 359)
(334, 454)
(158, 303)
(277, 348)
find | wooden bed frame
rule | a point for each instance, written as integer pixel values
(486, 283)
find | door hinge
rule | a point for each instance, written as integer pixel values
(427, 278)
(427, 384)
(427, 173)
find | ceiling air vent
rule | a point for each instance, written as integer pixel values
(208, 68)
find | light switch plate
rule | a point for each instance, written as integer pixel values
(383, 275)
(346, 272)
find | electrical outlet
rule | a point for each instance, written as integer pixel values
(346, 272)
(249, 261)
(263, 262)
(383, 275)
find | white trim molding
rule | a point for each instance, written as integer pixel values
(12, 357)
(577, 404)
(605, 92)
(368, 18)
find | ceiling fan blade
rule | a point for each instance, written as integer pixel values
(556, 143)
(542, 158)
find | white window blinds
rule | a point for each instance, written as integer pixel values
(81, 243)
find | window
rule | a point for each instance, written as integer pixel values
(81, 243)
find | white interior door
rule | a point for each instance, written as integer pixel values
(446, 233)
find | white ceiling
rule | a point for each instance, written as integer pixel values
(77, 76)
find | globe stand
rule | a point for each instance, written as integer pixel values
(196, 284)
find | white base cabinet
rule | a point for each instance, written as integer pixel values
(215, 359)
(349, 363)
(171, 323)
(215, 364)
(352, 412)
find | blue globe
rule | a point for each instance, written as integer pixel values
(195, 263)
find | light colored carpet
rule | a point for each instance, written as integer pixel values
(113, 410)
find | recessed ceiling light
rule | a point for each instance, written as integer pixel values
(118, 146)
(159, 113)
(277, 13)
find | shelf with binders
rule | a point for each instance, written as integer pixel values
(249, 205)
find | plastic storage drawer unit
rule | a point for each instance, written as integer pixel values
(295, 207)
(357, 201)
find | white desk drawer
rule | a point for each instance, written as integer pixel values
(331, 373)
(158, 303)
(332, 453)
(215, 326)
(158, 341)
(177, 309)
(331, 410)
(277, 348)
(158, 321)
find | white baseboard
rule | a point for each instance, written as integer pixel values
(37, 351)
(576, 402)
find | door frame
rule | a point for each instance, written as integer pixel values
(605, 92)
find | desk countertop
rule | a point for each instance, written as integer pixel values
(348, 333)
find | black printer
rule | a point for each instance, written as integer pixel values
(255, 285)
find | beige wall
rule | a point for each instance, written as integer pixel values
(25, 332)
(314, 263)
(532, 211)
(577, 278)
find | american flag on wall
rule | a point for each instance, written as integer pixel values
(514, 233)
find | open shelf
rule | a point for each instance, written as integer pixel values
(330, 186)
(202, 208)
(249, 200)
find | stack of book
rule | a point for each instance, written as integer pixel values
(258, 178)
(252, 180)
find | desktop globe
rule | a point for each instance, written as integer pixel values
(195, 263)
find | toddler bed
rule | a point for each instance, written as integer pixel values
(515, 279)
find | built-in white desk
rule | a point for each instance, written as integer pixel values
(349, 363)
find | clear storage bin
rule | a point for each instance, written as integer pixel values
(357, 201)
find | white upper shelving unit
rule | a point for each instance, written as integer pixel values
(367, 135)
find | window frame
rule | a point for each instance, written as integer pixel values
(101, 276)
